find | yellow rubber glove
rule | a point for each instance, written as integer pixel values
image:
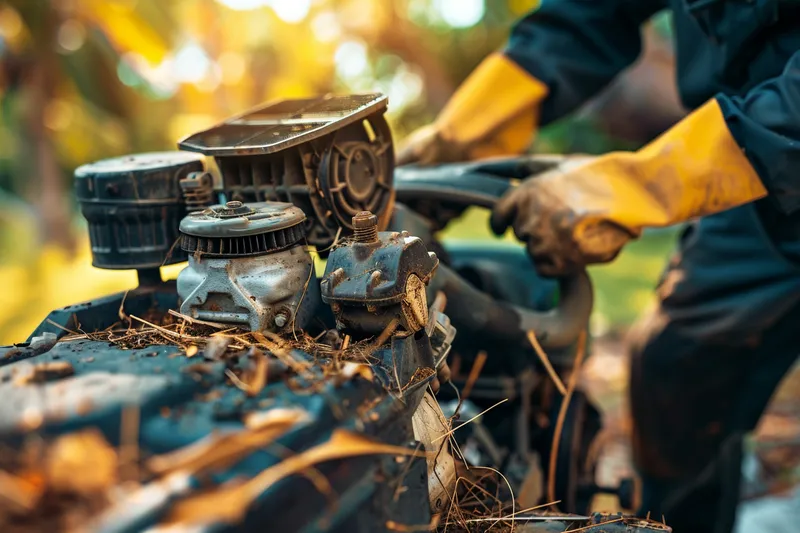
(585, 211)
(494, 112)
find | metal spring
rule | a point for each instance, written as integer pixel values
(198, 191)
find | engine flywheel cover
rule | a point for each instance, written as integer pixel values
(236, 229)
(238, 219)
(356, 173)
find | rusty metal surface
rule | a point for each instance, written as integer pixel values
(261, 293)
(248, 266)
(376, 278)
(336, 160)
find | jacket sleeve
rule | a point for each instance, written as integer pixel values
(577, 47)
(766, 124)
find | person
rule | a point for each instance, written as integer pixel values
(726, 329)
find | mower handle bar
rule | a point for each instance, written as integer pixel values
(483, 184)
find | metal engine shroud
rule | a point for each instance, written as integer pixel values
(331, 156)
(248, 266)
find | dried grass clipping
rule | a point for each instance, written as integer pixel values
(229, 504)
(219, 451)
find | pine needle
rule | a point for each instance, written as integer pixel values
(168, 332)
(59, 326)
(562, 414)
(592, 526)
(123, 316)
(546, 362)
(510, 490)
(512, 516)
(191, 320)
(474, 373)
(440, 437)
(236, 381)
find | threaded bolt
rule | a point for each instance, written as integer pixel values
(365, 227)
(281, 319)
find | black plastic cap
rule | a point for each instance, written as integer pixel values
(133, 205)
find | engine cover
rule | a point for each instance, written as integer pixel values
(332, 156)
(248, 266)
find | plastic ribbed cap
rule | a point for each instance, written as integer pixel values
(133, 205)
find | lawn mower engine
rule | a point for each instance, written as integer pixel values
(251, 393)
(248, 265)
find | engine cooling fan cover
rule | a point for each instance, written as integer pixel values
(356, 172)
(332, 156)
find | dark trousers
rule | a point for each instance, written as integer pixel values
(706, 361)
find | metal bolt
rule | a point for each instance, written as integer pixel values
(281, 319)
(233, 204)
(374, 279)
(365, 227)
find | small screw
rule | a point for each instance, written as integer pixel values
(233, 204)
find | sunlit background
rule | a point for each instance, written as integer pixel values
(82, 80)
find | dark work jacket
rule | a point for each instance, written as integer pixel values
(744, 53)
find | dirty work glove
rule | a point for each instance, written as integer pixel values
(494, 112)
(586, 210)
(546, 222)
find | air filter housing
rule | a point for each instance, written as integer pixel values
(133, 205)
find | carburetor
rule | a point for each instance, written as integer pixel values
(375, 278)
(248, 266)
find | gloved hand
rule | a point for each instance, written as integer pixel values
(550, 213)
(494, 112)
(585, 211)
